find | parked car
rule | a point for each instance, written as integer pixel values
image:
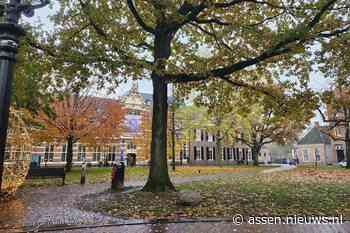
(293, 162)
(342, 164)
(284, 161)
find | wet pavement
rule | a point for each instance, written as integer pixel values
(211, 227)
(58, 205)
(54, 209)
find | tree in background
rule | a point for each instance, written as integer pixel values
(32, 88)
(337, 101)
(259, 119)
(82, 118)
(186, 41)
(333, 60)
(220, 101)
(271, 122)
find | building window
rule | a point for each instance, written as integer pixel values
(131, 146)
(195, 153)
(306, 155)
(97, 154)
(224, 153)
(199, 156)
(202, 136)
(202, 153)
(109, 155)
(229, 153)
(206, 136)
(64, 152)
(195, 134)
(184, 152)
(209, 153)
(114, 149)
(210, 138)
(49, 150)
(8, 152)
(81, 153)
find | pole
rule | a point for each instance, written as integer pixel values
(83, 173)
(173, 135)
(9, 42)
(10, 33)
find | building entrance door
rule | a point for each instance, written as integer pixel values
(340, 155)
(131, 157)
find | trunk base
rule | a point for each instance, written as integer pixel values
(68, 168)
(158, 186)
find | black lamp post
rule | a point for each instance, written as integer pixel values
(10, 33)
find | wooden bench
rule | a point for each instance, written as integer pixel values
(47, 172)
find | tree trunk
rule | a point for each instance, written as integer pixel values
(255, 155)
(189, 149)
(173, 136)
(158, 179)
(69, 156)
(347, 144)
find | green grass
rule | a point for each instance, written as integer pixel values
(102, 174)
(303, 191)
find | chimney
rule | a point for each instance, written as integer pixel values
(317, 124)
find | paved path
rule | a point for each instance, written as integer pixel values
(57, 205)
(283, 167)
(49, 206)
(210, 227)
(220, 227)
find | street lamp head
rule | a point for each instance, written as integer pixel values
(10, 10)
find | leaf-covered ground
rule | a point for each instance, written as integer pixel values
(303, 191)
(103, 174)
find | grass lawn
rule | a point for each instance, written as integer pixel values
(97, 174)
(303, 191)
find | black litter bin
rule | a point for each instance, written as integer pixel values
(118, 173)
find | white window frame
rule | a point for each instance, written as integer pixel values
(307, 155)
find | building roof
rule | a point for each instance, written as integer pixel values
(315, 136)
(147, 97)
(134, 95)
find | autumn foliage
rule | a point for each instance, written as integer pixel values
(85, 119)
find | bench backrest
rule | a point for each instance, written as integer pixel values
(47, 171)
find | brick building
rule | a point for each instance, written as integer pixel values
(199, 150)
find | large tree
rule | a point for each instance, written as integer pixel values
(225, 110)
(337, 114)
(185, 41)
(333, 60)
(272, 124)
(83, 118)
(261, 118)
